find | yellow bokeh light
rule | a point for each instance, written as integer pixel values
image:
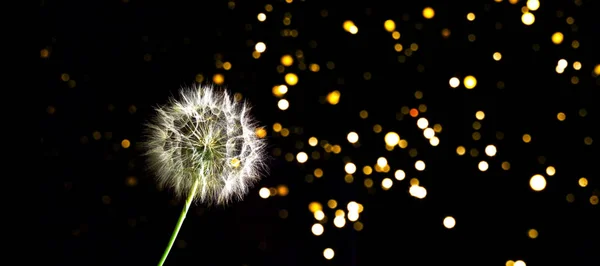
(400, 175)
(417, 191)
(497, 56)
(420, 165)
(550, 170)
(389, 25)
(597, 70)
(319, 215)
(583, 182)
(557, 38)
(526, 138)
(460, 150)
(277, 127)
(261, 132)
(519, 263)
(470, 82)
(315, 206)
(471, 16)
(454, 82)
(382, 161)
(483, 166)
(480, 115)
(261, 17)
(533, 5)
(218, 79)
(449, 222)
(528, 18)
(532, 233)
(561, 116)
(396, 35)
(318, 173)
(328, 253)
(287, 60)
(428, 13)
(490, 150)
(386, 183)
(392, 138)
(264, 193)
(333, 97)
(422, 123)
(312, 141)
(352, 137)
(280, 90)
(291, 79)
(125, 143)
(302, 157)
(350, 168)
(577, 65)
(260, 47)
(537, 182)
(428, 133)
(283, 104)
(317, 229)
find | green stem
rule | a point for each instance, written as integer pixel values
(188, 202)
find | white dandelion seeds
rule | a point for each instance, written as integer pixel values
(205, 143)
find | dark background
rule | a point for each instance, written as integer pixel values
(123, 58)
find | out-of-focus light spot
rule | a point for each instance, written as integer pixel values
(277, 127)
(377, 128)
(533, 5)
(264, 193)
(414, 112)
(352, 206)
(391, 138)
(389, 25)
(261, 132)
(557, 38)
(386, 183)
(218, 79)
(480, 115)
(428, 133)
(332, 203)
(420, 165)
(490, 150)
(562, 63)
(280, 90)
(318, 173)
(470, 16)
(434, 141)
(352, 137)
(339, 221)
(460, 150)
(454, 82)
(594, 200)
(428, 13)
(449, 222)
(403, 143)
(577, 65)
(261, 17)
(483, 166)
(417, 191)
(470, 82)
(396, 35)
(400, 174)
(353, 216)
(283, 190)
(509, 263)
(532, 233)
(526, 138)
(312, 141)
(505, 166)
(367, 170)
(422, 123)
(291, 79)
(497, 56)
(319, 215)
(44, 53)
(597, 70)
(283, 104)
(350, 27)
(333, 97)
(550, 171)
(537, 182)
(260, 47)
(520, 263)
(125, 143)
(588, 140)
(227, 65)
(358, 226)
(583, 182)
(328, 253)
(302, 157)
(287, 60)
(561, 116)
(315, 206)
(350, 168)
(317, 229)
(528, 18)
(381, 161)
(364, 114)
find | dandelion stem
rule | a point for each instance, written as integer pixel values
(188, 202)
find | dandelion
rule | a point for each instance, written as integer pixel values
(203, 147)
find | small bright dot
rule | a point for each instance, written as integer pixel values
(557, 38)
(352, 137)
(400, 175)
(550, 171)
(471, 16)
(264, 193)
(392, 138)
(422, 123)
(449, 222)
(420, 165)
(260, 47)
(291, 79)
(428, 133)
(497, 56)
(528, 18)
(262, 17)
(350, 168)
(283, 104)
(302, 157)
(389, 25)
(490, 150)
(287, 60)
(537, 182)
(428, 13)
(454, 82)
(386, 183)
(470, 82)
(483, 166)
(317, 229)
(328, 253)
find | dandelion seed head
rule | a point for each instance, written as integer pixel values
(207, 136)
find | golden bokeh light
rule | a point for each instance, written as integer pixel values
(428, 13)
(283, 104)
(291, 79)
(218, 79)
(583, 182)
(328, 253)
(352, 137)
(287, 60)
(317, 229)
(454, 82)
(470, 82)
(526, 138)
(557, 38)
(537, 182)
(532, 233)
(528, 18)
(333, 97)
(550, 170)
(392, 138)
(449, 222)
(260, 47)
(389, 25)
